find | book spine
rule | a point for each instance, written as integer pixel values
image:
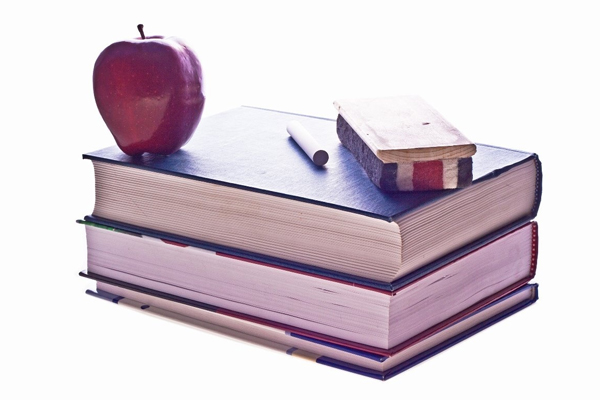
(538, 186)
(534, 249)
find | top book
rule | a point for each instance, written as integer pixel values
(242, 183)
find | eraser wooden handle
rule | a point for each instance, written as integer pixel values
(308, 143)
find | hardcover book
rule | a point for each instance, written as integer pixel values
(367, 363)
(318, 306)
(242, 183)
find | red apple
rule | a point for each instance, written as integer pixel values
(149, 92)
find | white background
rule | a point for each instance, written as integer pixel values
(518, 74)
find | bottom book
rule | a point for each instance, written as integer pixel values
(365, 363)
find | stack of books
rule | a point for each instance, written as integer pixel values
(241, 233)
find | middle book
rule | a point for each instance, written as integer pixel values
(353, 312)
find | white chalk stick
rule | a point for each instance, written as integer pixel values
(308, 143)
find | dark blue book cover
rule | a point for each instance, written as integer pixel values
(249, 148)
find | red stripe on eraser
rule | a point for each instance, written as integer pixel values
(428, 175)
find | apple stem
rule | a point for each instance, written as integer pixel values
(141, 29)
